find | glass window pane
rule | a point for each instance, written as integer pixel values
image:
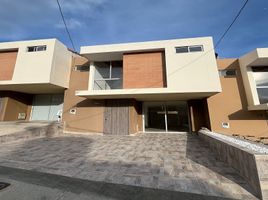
(263, 95)
(260, 75)
(102, 70)
(195, 48)
(117, 69)
(182, 49)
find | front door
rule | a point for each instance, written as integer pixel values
(116, 117)
(166, 116)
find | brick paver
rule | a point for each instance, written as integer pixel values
(178, 162)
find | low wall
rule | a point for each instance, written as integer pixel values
(50, 130)
(251, 165)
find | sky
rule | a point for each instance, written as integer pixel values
(93, 22)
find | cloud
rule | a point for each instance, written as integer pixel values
(71, 23)
(114, 21)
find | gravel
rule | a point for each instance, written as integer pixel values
(249, 145)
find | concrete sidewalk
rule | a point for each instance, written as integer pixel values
(172, 162)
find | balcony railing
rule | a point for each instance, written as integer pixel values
(108, 84)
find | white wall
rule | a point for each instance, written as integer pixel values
(41, 67)
(186, 72)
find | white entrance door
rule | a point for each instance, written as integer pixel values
(46, 106)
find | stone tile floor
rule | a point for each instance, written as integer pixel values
(177, 162)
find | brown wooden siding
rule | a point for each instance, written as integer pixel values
(116, 117)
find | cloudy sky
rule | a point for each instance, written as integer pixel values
(114, 21)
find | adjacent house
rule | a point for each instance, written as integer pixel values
(157, 86)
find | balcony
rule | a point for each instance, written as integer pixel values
(108, 75)
(108, 84)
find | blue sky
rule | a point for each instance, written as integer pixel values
(114, 21)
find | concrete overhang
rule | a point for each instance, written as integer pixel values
(33, 88)
(256, 58)
(155, 94)
(259, 107)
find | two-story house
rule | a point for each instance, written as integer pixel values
(158, 86)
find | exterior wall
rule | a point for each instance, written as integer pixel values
(41, 67)
(2, 107)
(89, 113)
(7, 63)
(198, 111)
(258, 57)
(186, 73)
(144, 70)
(135, 117)
(16, 103)
(231, 106)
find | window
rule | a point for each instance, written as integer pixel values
(82, 68)
(195, 48)
(182, 50)
(260, 75)
(37, 48)
(227, 72)
(187, 49)
(108, 75)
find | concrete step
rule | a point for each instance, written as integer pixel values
(14, 131)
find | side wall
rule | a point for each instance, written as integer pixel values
(198, 111)
(15, 103)
(147, 68)
(231, 106)
(89, 113)
(7, 63)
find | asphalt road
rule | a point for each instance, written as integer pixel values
(31, 185)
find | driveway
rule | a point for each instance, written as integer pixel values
(173, 162)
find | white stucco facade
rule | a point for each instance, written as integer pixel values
(192, 73)
(256, 58)
(42, 68)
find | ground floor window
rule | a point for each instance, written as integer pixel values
(166, 116)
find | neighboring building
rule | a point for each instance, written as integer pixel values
(242, 106)
(33, 77)
(159, 86)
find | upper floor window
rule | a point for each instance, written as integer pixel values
(37, 48)
(260, 75)
(187, 49)
(82, 68)
(227, 72)
(108, 75)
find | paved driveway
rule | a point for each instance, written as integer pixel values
(174, 162)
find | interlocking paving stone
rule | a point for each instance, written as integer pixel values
(179, 162)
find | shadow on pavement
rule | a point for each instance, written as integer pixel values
(99, 190)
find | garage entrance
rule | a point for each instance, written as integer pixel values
(46, 107)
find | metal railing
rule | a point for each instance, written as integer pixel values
(108, 84)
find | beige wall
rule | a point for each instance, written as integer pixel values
(7, 63)
(187, 73)
(89, 113)
(42, 67)
(258, 57)
(231, 106)
(144, 70)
